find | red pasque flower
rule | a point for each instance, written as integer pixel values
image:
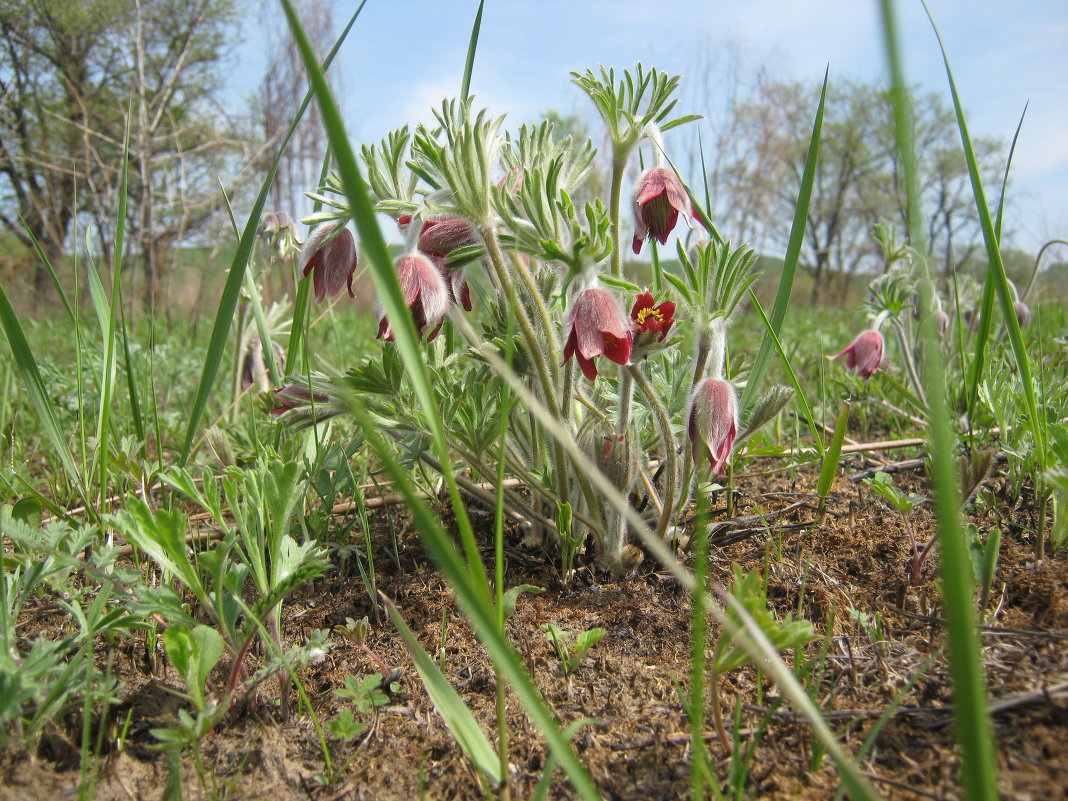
(597, 326)
(713, 422)
(332, 263)
(864, 354)
(651, 323)
(425, 292)
(659, 198)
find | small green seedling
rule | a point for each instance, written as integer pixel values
(984, 559)
(904, 502)
(571, 656)
(747, 606)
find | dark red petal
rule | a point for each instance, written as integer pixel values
(618, 348)
(587, 365)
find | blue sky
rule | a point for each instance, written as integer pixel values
(404, 57)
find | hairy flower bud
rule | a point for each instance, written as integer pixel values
(332, 262)
(713, 422)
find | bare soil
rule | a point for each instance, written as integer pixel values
(637, 746)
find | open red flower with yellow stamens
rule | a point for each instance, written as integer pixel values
(651, 323)
(596, 327)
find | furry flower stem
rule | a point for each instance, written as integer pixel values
(671, 447)
(619, 167)
(549, 377)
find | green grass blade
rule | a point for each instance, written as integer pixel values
(966, 668)
(986, 305)
(388, 286)
(997, 274)
(832, 455)
(802, 398)
(232, 290)
(448, 702)
(472, 599)
(107, 383)
(297, 354)
(136, 415)
(40, 398)
(469, 65)
(51, 271)
(262, 329)
(793, 254)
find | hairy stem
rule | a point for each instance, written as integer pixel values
(671, 447)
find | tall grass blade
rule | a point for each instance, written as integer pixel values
(793, 253)
(468, 578)
(136, 415)
(107, 382)
(756, 645)
(469, 65)
(40, 397)
(256, 302)
(966, 667)
(387, 286)
(232, 290)
(986, 305)
(448, 702)
(297, 354)
(51, 271)
(795, 382)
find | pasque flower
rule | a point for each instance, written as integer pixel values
(439, 238)
(864, 354)
(595, 327)
(331, 263)
(659, 198)
(651, 323)
(425, 292)
(713, 422)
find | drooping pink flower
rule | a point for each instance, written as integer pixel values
(651, 323)
(659, 198)
(713, 423)
(332, 264)
(425, 292)
(597, 326)
(864, 354)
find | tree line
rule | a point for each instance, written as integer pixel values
(77, 75)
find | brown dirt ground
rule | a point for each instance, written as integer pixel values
(638, 746)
